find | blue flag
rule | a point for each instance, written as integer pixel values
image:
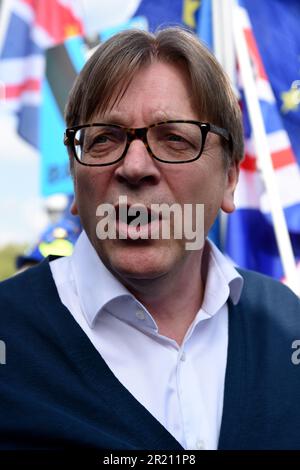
(276, 29)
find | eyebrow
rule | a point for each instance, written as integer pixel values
(121, 120)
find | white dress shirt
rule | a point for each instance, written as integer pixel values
(181, 386)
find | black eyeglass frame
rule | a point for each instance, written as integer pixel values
(141, 134)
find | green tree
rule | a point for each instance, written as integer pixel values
(8, 254)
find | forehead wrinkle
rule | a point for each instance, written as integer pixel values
(151, 105)
(122, 119)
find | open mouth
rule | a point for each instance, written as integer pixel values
(136, 221)
(142, 215)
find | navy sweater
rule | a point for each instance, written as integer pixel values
(56, 391)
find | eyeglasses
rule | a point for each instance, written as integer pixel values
(169, 142)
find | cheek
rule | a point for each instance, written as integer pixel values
(203, 184)
(194, 184)
(183, 184)
(91, 187)
(90, 191)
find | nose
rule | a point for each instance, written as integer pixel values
(138, 167)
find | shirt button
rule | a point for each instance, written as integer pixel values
(183, 356)
(200, 444)
(140, 314)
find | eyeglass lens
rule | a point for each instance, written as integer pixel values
(168, 141)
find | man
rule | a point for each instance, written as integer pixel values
(140, 340)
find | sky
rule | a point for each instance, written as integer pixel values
(22, 213)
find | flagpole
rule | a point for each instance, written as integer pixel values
(263, 154)
(223, 38)
(4, 20)
(223, 47)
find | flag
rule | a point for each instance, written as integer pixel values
(168, 12)
(250, 239)
(33, 26)
(276, 28)
(204, 23)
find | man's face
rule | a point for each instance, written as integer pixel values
(157, 93)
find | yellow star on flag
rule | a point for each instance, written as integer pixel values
(189, 10)
(291, 98)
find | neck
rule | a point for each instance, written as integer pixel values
(174, 313)
(173, 302)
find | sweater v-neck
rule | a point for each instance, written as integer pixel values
(150, 434)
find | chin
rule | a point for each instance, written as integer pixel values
(140, 261)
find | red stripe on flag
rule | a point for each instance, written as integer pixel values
(56, 19)
(280, 159)
(249, 163)
(283, 158)
(255, 56)
(14, 91)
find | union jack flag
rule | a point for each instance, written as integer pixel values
(33, 26)
(251, 240)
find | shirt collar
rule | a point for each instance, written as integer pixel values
(222, 282)
(98, 288)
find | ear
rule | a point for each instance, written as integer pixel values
(73, 208)
(71, 163)
(232, 177)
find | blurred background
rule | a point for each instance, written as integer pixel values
(44, 44)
